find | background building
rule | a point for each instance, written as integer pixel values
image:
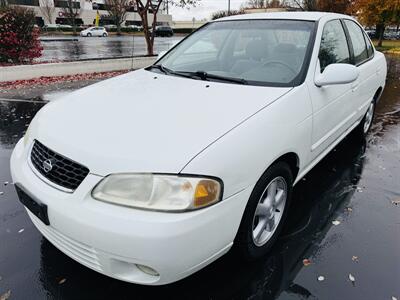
(52, 12)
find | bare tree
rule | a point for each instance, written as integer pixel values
(264, 4)
(47, 8)
(117, 10)
(256, 4)
(71, 10)
(151, 7)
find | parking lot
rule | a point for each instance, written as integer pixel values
(61, 48)
(345, 220)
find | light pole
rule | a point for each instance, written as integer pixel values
(229, 7)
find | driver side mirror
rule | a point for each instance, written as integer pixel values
(337, 74)
(161, 54)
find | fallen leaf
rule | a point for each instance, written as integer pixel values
(5, 182)
(349, 209)
(351, 277)
(1, 193)
(321, 278)
(396, 201)
(394, 298)
(336, 222)
(6, 295)
(354, 258)
(306, 262)
(62, 281)
(21, 230)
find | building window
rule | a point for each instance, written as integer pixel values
(63, 3)
(99, 6)
(24, 2)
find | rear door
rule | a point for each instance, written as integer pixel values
(332, 105)
(364, 87)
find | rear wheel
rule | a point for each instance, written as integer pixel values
(89, 34)
(365, 125)
(104, 34)
(265, 212)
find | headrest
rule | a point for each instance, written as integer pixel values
(257, 49)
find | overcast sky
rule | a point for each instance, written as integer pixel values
(203, 10)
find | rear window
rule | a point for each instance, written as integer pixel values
(358, 41)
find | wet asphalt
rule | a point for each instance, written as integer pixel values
(61, 48)
(356, 187)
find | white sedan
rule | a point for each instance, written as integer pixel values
(152, 175)
(94, 31)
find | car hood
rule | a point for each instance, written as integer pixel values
(144, 121)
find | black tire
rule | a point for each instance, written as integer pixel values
(244, 242)
(362, 129)
(104, 34)
(89, 34)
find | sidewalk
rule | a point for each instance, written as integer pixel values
(24, 72)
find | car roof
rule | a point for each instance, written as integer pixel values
(289, 15)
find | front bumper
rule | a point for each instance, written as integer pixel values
(112, 239)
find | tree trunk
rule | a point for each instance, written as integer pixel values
(118, 28)
(73, 27)
(380, 29)
(146, 32)
(153, 32)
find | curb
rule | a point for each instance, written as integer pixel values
(23, 72)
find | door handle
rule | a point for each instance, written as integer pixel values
(354, 87)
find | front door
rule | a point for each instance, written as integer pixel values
(333, 106)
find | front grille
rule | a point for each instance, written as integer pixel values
(57, 168)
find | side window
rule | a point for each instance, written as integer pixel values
(357, 39)
(370, 49)
(334, 48)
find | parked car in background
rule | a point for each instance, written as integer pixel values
(135, 27)
(51, 26)
(94, 31)
(371, 33)
(110, 27)
(65, 26)
(152, 188)
(83, 26)
(391, 35)
(164, 31)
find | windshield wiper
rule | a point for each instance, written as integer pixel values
(206, 76)
(200, 74)
(167, 71)
(159, 67)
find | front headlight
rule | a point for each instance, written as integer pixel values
(159, 192)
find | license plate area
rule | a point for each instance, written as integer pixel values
(36, 207)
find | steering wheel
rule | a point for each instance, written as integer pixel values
(280, 63)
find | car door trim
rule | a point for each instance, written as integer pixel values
(332, 132)
(325, 152)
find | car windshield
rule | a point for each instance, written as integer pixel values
(256, 52)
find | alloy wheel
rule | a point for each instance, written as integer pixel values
(269, 211)
(368, 117)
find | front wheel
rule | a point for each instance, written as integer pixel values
(265, 212)
(89, 34)
(104, 34)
